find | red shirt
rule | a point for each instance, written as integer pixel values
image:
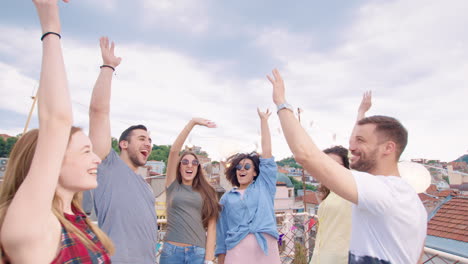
(73, 251)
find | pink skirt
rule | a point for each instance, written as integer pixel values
(249, 251)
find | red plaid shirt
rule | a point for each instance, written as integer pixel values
(73, 251)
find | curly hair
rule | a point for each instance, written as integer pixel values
(232, 162)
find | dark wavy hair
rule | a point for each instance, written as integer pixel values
(341, 152)
(232, 162)
(211, 207)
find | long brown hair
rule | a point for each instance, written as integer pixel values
(17, 169)
(211, 207)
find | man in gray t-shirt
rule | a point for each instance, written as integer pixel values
(123, 201)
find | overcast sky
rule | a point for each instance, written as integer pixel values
(209, 58)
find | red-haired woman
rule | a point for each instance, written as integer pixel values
(40, 209)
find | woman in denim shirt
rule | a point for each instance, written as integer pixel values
(246, 230)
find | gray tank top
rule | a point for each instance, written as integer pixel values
(184, 215)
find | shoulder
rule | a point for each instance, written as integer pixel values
(110, 159)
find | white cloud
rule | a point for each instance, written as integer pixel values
(186, 15)
(412, 55)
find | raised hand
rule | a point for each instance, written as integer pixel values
(365, 105)
(263, 115)
(203, 122)
(278, 87)
(107, 52)
(48, 13)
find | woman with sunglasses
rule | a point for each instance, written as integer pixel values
(246, 229)
(41, 217)
(192, 206)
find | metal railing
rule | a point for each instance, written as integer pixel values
(297, 241)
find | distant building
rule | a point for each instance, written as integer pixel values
(284, 197)
(447, 226)
(156, 166)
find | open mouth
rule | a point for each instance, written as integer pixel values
(145, 153)
(242, 174)
(354, 158)
(92, 171)
(189, 172)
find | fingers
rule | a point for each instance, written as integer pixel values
(270, 79)
(277, 75)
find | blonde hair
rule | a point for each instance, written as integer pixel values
(17, 169)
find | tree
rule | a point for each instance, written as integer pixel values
(10, 142)
(115, 145)
(298, 185)
(160, 153)
(290, 161)
(3, 152)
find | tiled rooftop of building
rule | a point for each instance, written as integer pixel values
(451, 220)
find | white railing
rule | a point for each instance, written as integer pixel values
(439, 257)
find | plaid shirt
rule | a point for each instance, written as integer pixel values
(73, 251)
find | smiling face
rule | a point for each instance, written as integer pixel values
(365, 148)
(79, 166)
(138, 147)
(188, 168)
(245, 173)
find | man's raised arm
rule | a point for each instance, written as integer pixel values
(99, 109)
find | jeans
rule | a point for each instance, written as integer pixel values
(172, 254)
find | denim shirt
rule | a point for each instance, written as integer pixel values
(251, 214)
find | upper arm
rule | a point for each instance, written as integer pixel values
(172, 165)
(331, 174)
(99, 133)
(35, 194)
(268, 171)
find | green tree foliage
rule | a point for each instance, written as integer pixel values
(298, 185)
(290, 161)
(7, 145)
(300, 256)
(3, 152)
(10, 142)
(115, 145)
(160, 152)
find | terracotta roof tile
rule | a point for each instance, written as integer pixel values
(451, 220)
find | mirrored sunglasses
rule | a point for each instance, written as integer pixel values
(246, 166)
(186, 162)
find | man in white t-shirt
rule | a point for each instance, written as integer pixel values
(389, 221)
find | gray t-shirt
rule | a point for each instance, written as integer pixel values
(124, 204)
(184, 215)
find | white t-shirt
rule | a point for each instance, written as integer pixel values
(389, 222)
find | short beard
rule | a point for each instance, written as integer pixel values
(135, 161)
(365, 165)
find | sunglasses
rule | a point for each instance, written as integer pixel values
(186, 162)
(247, 166)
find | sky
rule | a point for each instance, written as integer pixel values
(207, 58)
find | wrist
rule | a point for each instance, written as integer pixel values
(107, 66)
(279, 101)
(284, 105)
